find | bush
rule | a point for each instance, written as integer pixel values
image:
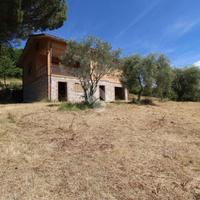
(186, 84)
(11, 94)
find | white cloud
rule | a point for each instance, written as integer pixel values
(137, 19)
(197, 64)
(181, 27)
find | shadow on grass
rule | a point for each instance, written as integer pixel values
(11, 95)
(134, 101)
(53, 105)
(67, 106)
(120, 102)
(147, 102)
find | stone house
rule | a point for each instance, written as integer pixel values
(44, 78)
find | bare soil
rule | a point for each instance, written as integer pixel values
(120, 152)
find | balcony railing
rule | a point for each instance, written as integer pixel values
(63, 70)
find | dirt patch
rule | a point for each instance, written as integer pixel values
(120, 152)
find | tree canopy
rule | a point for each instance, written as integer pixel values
(186, 84)
(163, 77)
(19, 18)
(153, 76)
(8, 63)
(138, 74)
(94, 58)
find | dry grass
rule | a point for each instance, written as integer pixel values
(12, 81)
(121, 152)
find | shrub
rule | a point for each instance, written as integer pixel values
(11, 94)
(186, 84)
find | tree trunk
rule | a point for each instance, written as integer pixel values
(161, 95)
(4, 80)
(89, 89)
(140, 94)
(141, 89)
(88, 95)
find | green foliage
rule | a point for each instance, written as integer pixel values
(11, 94)
(154, 75)
(138, 74)
(150, 76)
(15, 55)
(19, 18)
(186, 84)
(163, 77)
(8, 61)
(93, 59)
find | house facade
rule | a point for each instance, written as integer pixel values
(44, 78)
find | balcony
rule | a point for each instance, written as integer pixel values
(63, 70)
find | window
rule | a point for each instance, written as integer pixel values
(78, 87)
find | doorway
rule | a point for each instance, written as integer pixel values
(102, 93)
(62, 91)
(119, 93)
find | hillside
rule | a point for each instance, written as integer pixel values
(120, 152)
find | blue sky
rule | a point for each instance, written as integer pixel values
(171, 27)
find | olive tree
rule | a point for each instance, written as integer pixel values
(186, 84)
(95, 59)
(138, 73)
(163, 77)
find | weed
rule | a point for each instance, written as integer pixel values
(11, 118)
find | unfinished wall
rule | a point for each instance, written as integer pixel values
(36, 91)
(42, 70)
(74, 96)
(35, 82)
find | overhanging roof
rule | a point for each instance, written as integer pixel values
(48, 36)
(39, 36)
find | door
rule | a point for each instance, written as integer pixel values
(62, 91)
(102, 93)
(119, 93)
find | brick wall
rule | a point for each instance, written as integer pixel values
(35, 91)
(35, 83)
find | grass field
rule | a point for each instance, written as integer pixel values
(120, 152)
(12, 81)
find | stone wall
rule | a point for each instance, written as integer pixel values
(74, 96)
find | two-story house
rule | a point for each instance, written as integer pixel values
(44, 78)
